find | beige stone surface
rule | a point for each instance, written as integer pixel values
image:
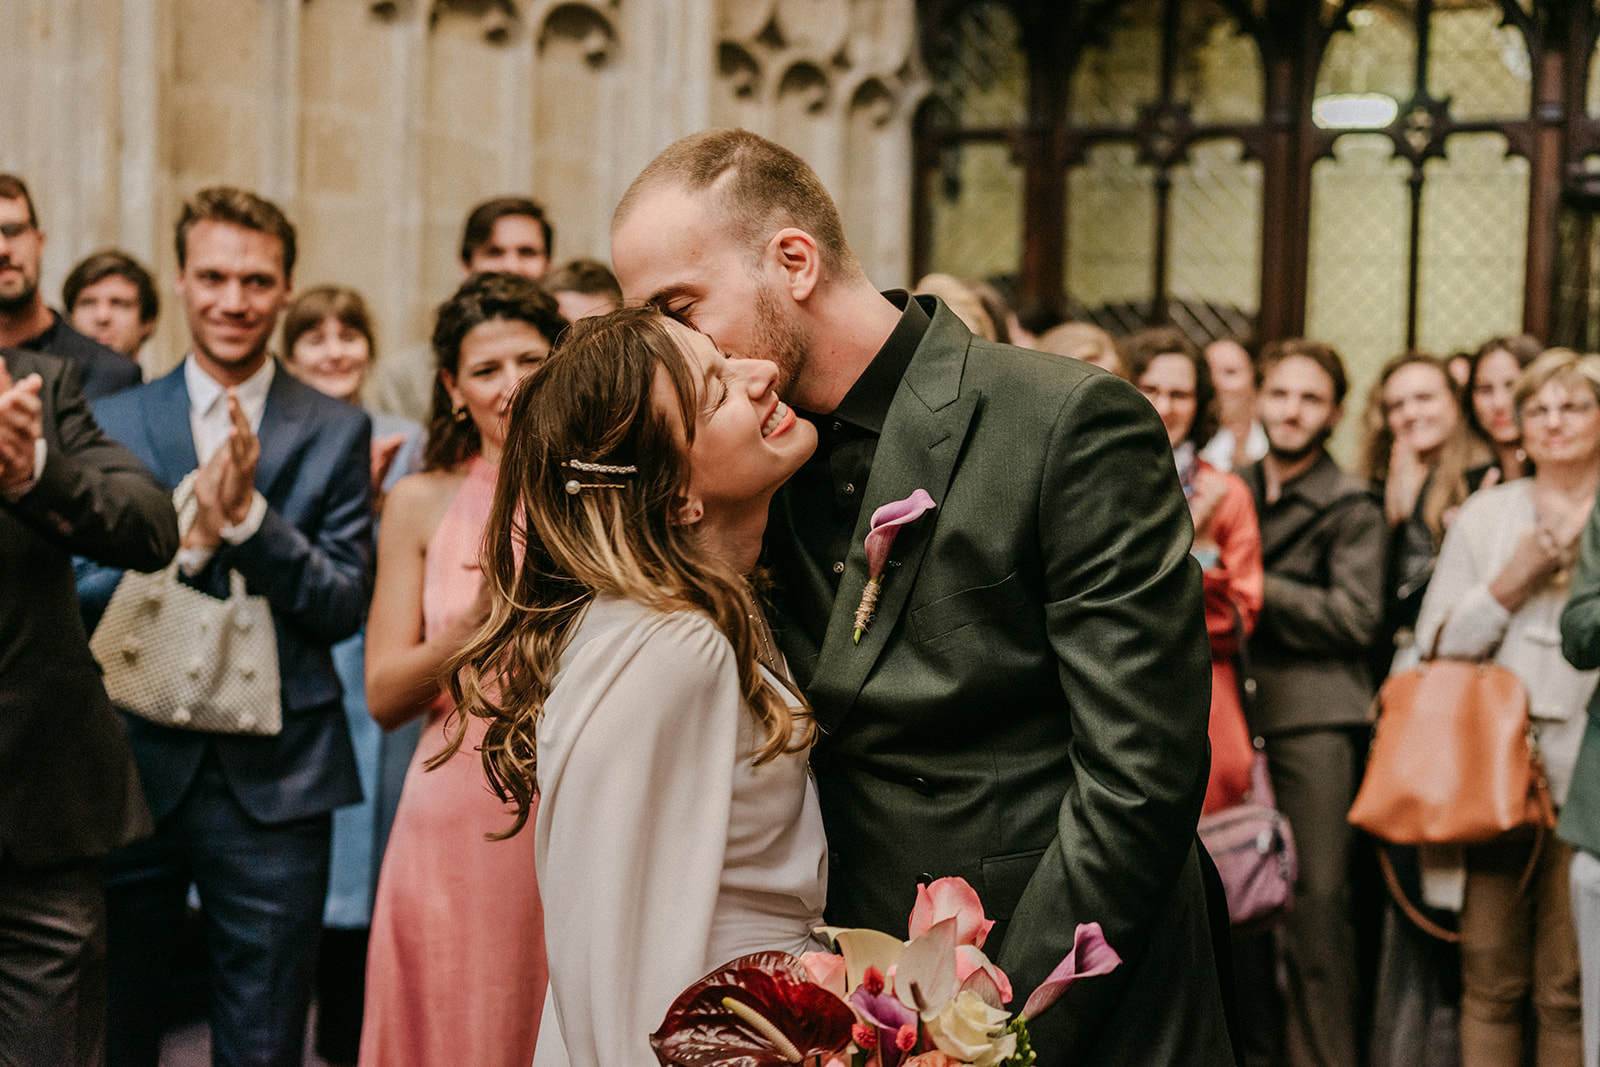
(376, 126)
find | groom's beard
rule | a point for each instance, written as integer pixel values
(783, 339)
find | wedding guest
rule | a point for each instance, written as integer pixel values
(456, 969)
(1490, 413)
(960, 299)
(583, 287)
(111, 298)
(1416, 454)
(1239, 439)
(328, 344)
(1084, 341)
(25, 321)
(628, 676)
(1322, 538)
(1498, 590)
(283, 500)
(1169, 370)
(71, 793)
(1579, 825)
(507, 233)
(995, 305)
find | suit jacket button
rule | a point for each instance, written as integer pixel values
(921, 786)
(924, 878)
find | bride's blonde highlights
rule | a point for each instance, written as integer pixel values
(548, 551)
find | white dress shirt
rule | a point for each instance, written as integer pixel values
(210, 425)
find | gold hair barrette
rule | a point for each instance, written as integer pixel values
(574, 487)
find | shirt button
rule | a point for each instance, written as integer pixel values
(838, 568)
(837, 426)
(849, 488)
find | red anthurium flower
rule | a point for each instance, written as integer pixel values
(760, 1010)
(1090, 956)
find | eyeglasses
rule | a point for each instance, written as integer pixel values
(1570, 411)
(12, 230)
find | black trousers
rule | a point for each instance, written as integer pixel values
(52, 965)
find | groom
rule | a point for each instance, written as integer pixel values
(1028, 707)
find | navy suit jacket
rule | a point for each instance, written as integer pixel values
(312, 559)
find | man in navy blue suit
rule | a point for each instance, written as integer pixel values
(283, 499)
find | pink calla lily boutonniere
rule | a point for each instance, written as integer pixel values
(885, 525)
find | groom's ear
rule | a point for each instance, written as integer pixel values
(795, 254)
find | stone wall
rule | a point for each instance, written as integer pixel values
(377, 123)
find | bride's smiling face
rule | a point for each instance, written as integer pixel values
(747, 442)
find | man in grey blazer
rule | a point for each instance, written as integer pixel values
(1027, 709)
(68, 790)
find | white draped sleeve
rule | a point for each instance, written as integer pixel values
(641, 749)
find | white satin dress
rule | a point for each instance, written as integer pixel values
(662, 852)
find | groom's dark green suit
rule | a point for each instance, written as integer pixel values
(1028, 709)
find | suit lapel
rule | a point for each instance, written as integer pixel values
(280, 433)
(921, 441)
(168, 429)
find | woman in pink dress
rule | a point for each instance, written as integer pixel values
(456, 970)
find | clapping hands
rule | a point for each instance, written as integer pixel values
(225, 486)
(21, 426)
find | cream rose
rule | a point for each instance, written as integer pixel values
(968, 1029)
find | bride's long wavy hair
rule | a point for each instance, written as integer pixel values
(547, 551)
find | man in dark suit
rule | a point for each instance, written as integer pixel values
(25, 321)
(283, 499)
(1028, 707)
(68, 790)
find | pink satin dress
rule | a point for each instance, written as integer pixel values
(456, 970)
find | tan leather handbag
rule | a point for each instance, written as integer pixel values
(1452, 758)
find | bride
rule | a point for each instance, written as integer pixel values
(629, 678)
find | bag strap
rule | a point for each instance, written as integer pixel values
(1415, 914)
(1408, 909)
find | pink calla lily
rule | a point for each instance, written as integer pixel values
(951, 898)
(883, 528)
(1090, 956)
(886, 523)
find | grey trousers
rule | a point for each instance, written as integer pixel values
(1314, 775)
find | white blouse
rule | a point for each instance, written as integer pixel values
(1476, 548)
(662, 852)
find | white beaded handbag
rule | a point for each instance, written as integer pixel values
(179, 657)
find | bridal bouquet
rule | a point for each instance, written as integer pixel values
(933, 1001)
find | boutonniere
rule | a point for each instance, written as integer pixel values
(886, 523)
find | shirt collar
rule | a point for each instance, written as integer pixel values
(1318, 485)
(205, 392)
(867, 403)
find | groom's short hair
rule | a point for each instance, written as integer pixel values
(759, 186)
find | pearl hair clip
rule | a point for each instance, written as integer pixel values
(574, 487)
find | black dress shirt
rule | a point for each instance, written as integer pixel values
(829, 486)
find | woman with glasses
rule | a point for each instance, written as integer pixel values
(1498, 592)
